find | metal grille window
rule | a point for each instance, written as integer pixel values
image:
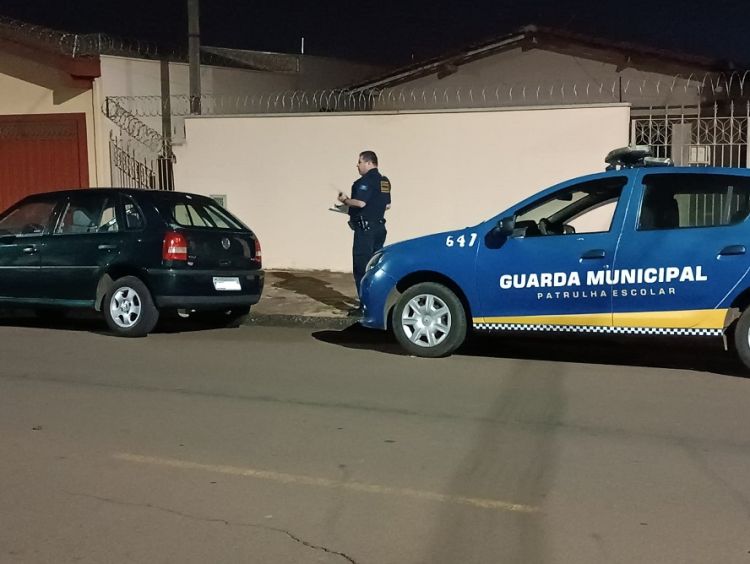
(699, 136)
(672, 201)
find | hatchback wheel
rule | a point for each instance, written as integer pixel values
(429, 320)
(129, 308)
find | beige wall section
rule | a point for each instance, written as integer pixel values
(124, 76)
(551, 70)
(31, 88)
(448, 170)
(318, 73)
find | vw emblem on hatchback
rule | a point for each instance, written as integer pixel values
(226, 243)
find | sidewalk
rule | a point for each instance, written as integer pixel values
(318, 299)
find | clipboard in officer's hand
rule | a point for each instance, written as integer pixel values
(340, 208)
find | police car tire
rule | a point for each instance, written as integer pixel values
(457, 332)
(742, 338)
(148, 316)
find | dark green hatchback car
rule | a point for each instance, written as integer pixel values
(130, 254)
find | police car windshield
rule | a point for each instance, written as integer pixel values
(571, 202)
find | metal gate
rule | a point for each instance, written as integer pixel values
(131, 168)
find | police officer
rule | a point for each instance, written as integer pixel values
(370, 197)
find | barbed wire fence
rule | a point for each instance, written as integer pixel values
(76, 44)
(691, 90)
(715, 106)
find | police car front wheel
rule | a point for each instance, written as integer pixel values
(429, 320)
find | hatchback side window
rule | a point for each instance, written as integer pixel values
(584, 208)
(133, 217)
(28, 219)
(673, 201)
(88, 214)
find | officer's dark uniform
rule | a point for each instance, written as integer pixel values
(368, 223)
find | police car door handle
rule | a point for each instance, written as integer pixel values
(594, 254)
(733, 250)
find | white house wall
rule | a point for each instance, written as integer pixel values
(548, 70)
(31, 88)
(280, 174)
(123, 76)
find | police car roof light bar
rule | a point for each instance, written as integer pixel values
(634, 156)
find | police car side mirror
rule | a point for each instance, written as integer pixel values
(505, 226)
(500, 233)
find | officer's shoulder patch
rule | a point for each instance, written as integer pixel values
(385, 186)
(362, 186)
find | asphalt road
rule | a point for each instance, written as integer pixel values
(276, 445)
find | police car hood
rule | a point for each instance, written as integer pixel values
(440, 252)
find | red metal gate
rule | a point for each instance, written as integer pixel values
(40, 153)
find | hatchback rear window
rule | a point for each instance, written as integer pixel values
(191, 213)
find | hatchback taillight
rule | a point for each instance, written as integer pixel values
(258, 254)
(175, 246)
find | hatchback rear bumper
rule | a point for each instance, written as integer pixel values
(184, 288)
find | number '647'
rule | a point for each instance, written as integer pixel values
(461, 240)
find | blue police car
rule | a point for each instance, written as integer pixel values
(643, 248)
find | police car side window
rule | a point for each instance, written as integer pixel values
(584, 208)
(676, 201)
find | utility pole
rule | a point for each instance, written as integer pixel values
(194, 55)
(166, 158)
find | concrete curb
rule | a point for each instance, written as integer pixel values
(303, 321)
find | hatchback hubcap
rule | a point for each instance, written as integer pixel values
(125, 307)
(426, 320)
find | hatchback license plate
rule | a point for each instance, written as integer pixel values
(221, 283)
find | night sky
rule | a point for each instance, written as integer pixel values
(395, 32)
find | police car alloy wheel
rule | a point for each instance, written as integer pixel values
(429, 320)
(129, 309)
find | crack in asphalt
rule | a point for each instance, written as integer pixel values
(292, 536)
(514, 421)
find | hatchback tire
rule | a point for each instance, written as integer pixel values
(129, 308)
(429, 320)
